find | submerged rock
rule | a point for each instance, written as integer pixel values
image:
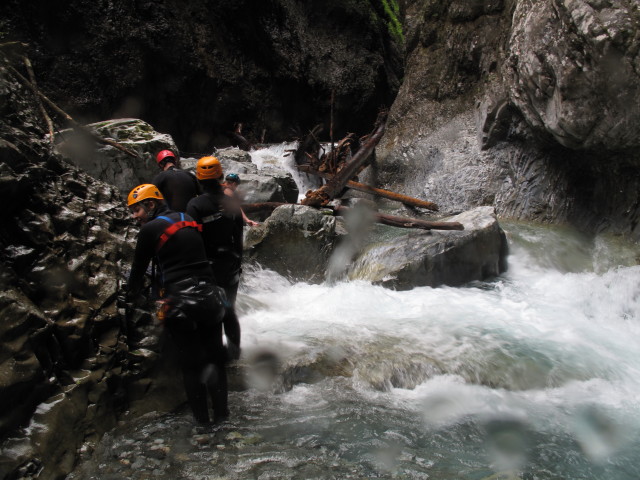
(437, 257)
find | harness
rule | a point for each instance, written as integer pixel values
(214, 217)
(173, 227)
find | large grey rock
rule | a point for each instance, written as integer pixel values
(437, 257)
(233, 154)
(528, 106)
(295, 241)
(574, 70)
(111, 165)
(257, 188)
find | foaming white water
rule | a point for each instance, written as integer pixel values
(573, 309)
(281, 156)
(550, 347)
(275, 156)
(538, 345)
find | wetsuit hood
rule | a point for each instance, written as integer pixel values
(160, 210)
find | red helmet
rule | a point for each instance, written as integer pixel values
(164, 154)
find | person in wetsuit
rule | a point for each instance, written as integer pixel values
(177, 186)
(192, 305)
(221, 219)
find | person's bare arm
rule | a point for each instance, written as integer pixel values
(247, 220)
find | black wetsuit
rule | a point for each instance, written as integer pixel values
(222, 225)
(195, 308)
(177, 187)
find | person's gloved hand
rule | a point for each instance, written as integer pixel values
(121, 300)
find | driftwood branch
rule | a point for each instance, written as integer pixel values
(43, 111)
(333, 99)
(327, 192)
(407, 222)
(361, 187)
(383, 218)
(68, 117)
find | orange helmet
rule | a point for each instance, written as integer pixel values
(143, 192)
(208, 168)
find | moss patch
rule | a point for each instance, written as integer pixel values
(392, 10)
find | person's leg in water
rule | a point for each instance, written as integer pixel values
(192, 359)
(229, 282)
(215, 373)
(232, 332)
(231, 291)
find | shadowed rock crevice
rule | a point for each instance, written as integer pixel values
(194, 70)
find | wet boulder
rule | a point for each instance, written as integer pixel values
(273, 186)
(573, 71)
(110, 164)
(232, 154)
(435, 258)
(296, 241)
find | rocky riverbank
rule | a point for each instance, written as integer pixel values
(528, 109)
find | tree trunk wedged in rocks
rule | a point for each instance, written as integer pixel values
(528, 106)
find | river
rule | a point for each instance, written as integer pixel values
(531, 375)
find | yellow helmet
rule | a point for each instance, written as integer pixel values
(208, 168)
(143, 192)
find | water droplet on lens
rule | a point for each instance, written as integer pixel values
(507, 443)
(597, 433)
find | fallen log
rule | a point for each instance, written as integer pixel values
(361, 187)
(326, 193)
(385, 219)
(407, 222)
(308, 147)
